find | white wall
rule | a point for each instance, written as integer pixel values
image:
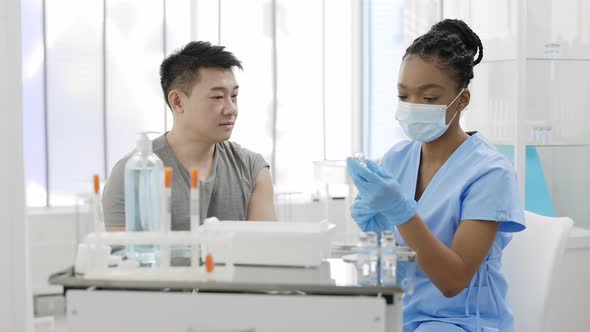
(15, 293)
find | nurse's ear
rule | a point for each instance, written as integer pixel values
(463, 100)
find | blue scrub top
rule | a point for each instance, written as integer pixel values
(476, 183)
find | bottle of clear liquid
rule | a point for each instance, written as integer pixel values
(363, 264)
(144, 199)
(388, 259)
(373, 258)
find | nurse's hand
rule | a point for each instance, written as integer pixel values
(380, 204)
(367, 219)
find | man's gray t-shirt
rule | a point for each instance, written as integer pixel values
(225, 194)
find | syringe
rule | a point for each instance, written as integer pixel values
(97, 206)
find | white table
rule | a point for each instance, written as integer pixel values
(261, 299)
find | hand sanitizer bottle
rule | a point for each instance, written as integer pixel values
(144, 193)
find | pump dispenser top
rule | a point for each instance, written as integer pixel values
(143, 143)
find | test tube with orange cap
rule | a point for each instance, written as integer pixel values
(167, 222)
(195, 218)
(209, 263)
(98, 224)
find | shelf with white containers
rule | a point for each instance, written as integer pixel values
(530, 94)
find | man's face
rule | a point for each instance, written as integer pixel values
(212, 108)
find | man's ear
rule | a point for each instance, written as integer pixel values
(176, 101)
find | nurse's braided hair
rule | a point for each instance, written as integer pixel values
(453, 45)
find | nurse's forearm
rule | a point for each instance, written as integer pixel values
(445, 268)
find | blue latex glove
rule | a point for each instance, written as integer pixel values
(380, 204)
(367, 219)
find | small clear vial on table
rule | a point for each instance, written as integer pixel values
(388, 259)
(363, 265)
(373, 244)
(406, 269)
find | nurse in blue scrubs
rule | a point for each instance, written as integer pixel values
(448, 194)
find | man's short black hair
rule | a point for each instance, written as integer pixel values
(181, 68)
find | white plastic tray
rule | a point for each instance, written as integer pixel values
(270, 243)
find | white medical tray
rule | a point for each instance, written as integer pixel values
(270, 243)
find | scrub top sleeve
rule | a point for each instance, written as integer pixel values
(494, 196)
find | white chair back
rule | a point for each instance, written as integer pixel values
(531, 262)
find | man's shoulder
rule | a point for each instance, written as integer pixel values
(119, 166)
(235, 150)
(233, 155)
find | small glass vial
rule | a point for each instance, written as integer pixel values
(388, 259)
(363, 265)
(406, 269)
(373, 248)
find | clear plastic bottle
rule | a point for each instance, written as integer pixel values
(144, 199)
(363, 265)
(388, 259)
(373, 244)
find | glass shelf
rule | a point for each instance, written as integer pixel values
(539, 145)
(556, 180)
(559, 145)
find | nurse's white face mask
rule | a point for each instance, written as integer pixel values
(424, 122)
